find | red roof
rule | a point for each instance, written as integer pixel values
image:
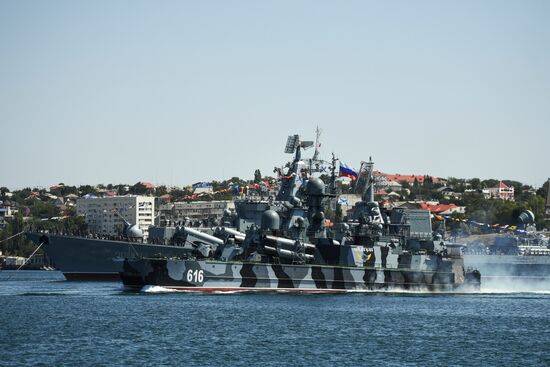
(407, 178)
(148, 185)
(502, 185)
(437, 208)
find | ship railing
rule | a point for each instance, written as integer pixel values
(402, 230)
(388, 238)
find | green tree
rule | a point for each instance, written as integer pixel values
(138, 189)
(161, 190)
(543, 190)
(74, 224)
(518, 186)
(87, 189)
(19, 245)
(457, 184)
(64, 190)
(489, 183)
(475, 183)
(120, 189)
(3, 192)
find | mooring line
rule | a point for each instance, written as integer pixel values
(26, 261)
(9, 238)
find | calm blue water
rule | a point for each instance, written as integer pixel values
(48, 321)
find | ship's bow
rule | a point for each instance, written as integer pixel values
(135, 273)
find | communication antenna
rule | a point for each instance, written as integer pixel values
(317, 144)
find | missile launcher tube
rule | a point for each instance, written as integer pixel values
(203, 236)
(288, 242)
(286, 253)
(231, 231)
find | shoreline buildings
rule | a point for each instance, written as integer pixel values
(105, 215)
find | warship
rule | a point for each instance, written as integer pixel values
(91, 257)
(285, 243)
(521, 256)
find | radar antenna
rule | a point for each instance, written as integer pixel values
(292, 143)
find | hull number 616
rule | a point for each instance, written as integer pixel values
(195, 276)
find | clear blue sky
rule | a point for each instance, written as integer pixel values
(176, 92)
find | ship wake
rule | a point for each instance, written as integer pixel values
(510, 284)
(156, 289)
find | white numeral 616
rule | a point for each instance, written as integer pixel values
(196, 276)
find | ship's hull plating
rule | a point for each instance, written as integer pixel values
(217, 276)
(80, 258)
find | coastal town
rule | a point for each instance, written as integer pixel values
(275, 183)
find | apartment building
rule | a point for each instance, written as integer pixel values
(104, 215)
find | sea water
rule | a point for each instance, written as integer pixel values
(48, 321)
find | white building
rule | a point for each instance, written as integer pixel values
(200, 210)
(103, 215)
(14, 260)
(7, 211)
(501, 191)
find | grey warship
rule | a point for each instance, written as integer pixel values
(524, 256)
(284, 244)
(91, 257)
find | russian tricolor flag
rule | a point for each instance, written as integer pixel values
(345, 171)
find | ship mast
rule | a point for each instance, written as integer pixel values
(314, 162)
(317, 145)
(333, 175)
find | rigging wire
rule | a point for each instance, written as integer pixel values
(9, 238)
(26, 261)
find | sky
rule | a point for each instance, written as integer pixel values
(176, 92)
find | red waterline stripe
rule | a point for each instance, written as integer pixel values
(238, 289)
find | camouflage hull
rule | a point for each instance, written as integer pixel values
(218, 276)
